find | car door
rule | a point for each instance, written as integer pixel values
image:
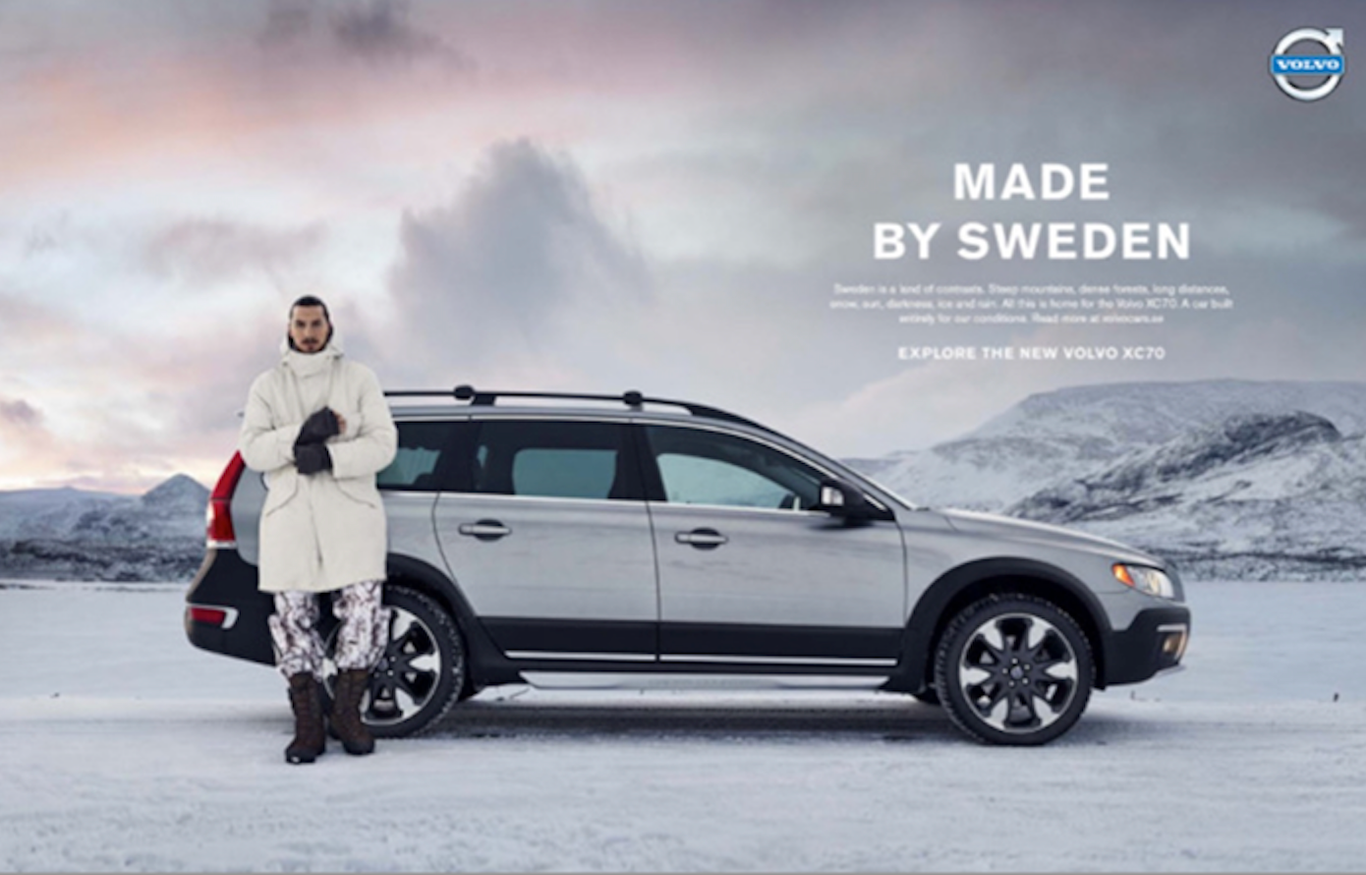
(550, 541)
(749, 574)
(423, 466)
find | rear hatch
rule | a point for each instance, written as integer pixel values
(225, 612)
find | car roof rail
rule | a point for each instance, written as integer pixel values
(631, 398)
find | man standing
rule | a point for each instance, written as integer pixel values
(317, 424)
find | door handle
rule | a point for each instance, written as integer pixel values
(702, 539)
(485, 530)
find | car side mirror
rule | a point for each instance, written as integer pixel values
(839, 499)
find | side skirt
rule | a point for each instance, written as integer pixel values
(553, 680)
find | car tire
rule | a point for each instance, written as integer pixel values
(1014, 669)
(421, 673)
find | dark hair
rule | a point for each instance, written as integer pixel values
(310, 301)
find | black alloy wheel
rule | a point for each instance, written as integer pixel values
(1014, 669)
(420, 674)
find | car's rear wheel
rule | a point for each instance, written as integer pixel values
(421, 672)
(1014, 669)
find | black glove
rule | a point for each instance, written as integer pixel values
(318, 427)
(312, 458)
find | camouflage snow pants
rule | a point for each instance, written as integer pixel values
(361, 637)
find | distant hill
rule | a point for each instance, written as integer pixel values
(1230, 478)
(72, 534)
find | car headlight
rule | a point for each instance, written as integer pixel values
(1149, 581)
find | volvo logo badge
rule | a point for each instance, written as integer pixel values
(1333, 65)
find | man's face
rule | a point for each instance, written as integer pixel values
(308, 328)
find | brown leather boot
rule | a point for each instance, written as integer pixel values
(310, 734)
(346, 722)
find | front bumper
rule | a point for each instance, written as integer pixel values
(1154, 642)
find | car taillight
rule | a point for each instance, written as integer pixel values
(224, 618)
(212, 616)
(218, 515)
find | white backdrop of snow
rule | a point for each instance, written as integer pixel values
(123, 749)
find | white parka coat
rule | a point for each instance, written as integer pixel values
(324, 531)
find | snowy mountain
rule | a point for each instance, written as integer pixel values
(1057, 436)
(1229, 478)
(71, 534)
(1259, 496)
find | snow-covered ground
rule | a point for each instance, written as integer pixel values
(122, 748)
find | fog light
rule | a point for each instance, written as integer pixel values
(1174, 640)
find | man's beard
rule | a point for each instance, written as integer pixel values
(318, 346)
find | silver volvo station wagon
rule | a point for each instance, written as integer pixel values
(619, 540)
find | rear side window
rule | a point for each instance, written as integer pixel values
(554, 459)
(421, 462)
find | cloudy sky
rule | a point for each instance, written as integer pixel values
(610, 195)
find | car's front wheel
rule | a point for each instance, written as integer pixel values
(1014, 669)
(421, 672)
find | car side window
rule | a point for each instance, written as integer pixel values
(699, 466)
(554, 459)
(417, 466)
